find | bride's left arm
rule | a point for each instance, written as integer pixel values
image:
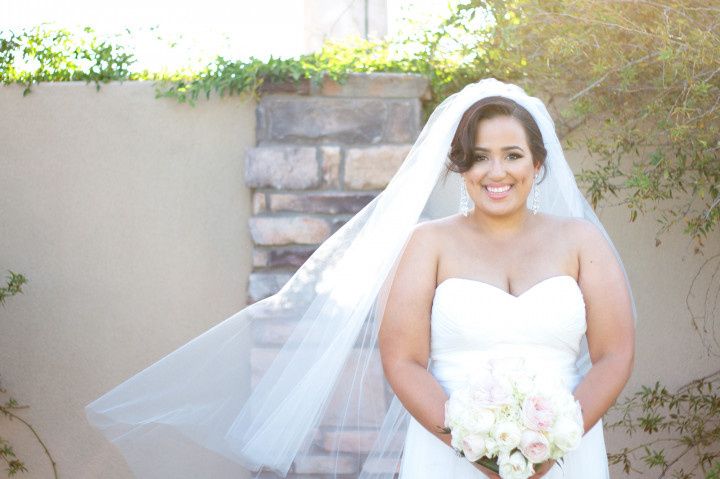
(610, 326)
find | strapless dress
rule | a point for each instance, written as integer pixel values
(473, 322)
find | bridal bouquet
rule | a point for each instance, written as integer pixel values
(508, 419)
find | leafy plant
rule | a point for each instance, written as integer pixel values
(60, 55)
(8, 408)
(676, 424)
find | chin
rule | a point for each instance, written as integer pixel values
(496, 210)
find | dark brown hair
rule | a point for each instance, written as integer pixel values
(461, 155)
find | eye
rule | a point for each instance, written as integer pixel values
(515, 155)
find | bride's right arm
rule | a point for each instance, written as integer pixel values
(404, 335)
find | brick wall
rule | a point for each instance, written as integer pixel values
(322, 154)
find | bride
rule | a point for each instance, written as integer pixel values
(503, 280)
(391, 313)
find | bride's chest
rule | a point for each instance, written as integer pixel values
(471, 311)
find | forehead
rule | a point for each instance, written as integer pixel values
(499, 130)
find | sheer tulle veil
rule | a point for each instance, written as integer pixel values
(323, 402)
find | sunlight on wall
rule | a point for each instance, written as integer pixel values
(200, 31)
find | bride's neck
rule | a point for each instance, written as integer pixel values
(501, 227)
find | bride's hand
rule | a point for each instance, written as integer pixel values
(543, 469)
(486, 471)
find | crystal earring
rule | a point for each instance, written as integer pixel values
(536, 196)
(464, 201)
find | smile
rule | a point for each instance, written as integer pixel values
(498, 189)
(498, 192)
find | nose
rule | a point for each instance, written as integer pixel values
(497, 169)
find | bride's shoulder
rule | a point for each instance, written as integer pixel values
(434, 229)
(432, 235)
(423, 241)
(565, 221)
(581, 231)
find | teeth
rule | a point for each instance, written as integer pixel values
(492, 189)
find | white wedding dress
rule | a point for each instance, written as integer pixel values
(472, 322)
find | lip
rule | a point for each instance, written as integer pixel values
(497, 196)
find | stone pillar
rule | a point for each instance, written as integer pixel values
(322, 154)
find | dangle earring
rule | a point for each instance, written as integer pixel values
(536, 196)
(464, 201)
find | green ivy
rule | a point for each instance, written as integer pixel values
(673, 425)
(59, 55)
(10, 408)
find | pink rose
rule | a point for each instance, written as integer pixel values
(538, 413)
(489, 391)
(473, 446)
(534, 446)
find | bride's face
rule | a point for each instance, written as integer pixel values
(502, 159)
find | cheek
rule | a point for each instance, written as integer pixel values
(474, 174)
(524, 181)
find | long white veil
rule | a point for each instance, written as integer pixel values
(323, 405)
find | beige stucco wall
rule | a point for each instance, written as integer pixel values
(128, 215)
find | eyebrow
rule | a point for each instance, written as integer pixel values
(504, 148)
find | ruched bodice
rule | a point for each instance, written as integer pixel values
(473, 321)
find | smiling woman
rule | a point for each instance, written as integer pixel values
(498, 150)
(442, 326)
(504, 171)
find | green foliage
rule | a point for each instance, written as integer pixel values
(714, 472)
(13, 287)
(14, 465)
(673, 425)
(645, 80)
(334, 61)
(59, 55)
(10, 406)
(7, 453)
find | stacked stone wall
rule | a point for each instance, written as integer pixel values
(322, 154)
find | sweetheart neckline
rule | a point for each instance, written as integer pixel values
(507, 293)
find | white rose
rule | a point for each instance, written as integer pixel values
(566, 433)
(458, 401)
(456, 437)
(481, 420)
(473, 446)
(466, 419)
(524, 384)
(457, 409)
(534, 446)
(515, 466)
(507, 434)
(491, 447)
